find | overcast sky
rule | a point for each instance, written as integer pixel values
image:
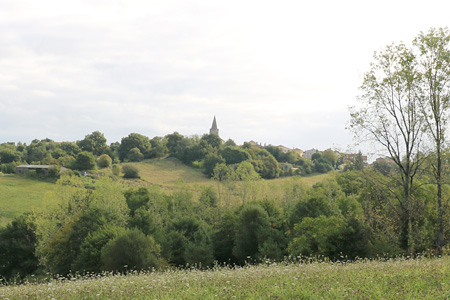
(276, 72)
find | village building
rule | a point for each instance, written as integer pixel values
(284, 148)
(309, 153)
(299, 151)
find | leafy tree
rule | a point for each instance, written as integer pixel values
(190, 243)
(137, 198)
(132, 250)
(174, 141)
(433, 62)
(130, 171)
(383, 167)
(211, 161)
(330, 156)
(269, 168)
(390, 115)
(224, 237)
(213, 140)
(134, 140)
(230, 143)
(104, 161)
(17, 248)
(94, 142)
(159, 148)
(135, 155)
(355, 163)
(85, 161)
(234, 155)
(89, 257)
(322, 165)
(316, 156)
(252, 225)
(8, 155)
(208, 197)
(71, 149)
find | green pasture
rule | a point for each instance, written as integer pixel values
(19, 194)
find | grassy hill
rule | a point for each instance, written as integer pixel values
(19, 194)
(422, 278)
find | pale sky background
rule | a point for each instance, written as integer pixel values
(276, 72)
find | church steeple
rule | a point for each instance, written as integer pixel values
(214, 128)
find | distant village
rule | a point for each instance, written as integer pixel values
(344, 157)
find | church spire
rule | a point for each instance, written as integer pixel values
(214, 128)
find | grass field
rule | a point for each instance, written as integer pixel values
(422, 278)
(19, 194)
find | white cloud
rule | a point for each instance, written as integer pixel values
(280, 73)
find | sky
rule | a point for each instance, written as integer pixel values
(275, 72)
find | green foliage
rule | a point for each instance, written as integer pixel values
(224, 237)
(85, 161)
(130, 171)
(356, 163)
(329, 236)
(134, 140)
(210, 163)
(17, 249)
(233, 155)
(131, 250)
(137, 198)
(330, 156)
(135, 155)
(190, 242)
(89, 257)
(94, 143)
(213, 140)
(159, 148)
(104, 161)
(252, 224)
(73, 214)
(208, 197)
(116, 169)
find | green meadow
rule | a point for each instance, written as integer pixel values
(422, 278)
(19, 194)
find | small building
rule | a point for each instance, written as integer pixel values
(309, 153)
(25, 169)
(283, 148)
(299, 151)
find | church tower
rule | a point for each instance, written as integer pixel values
(214, 128)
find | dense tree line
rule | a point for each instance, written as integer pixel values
(206, 152)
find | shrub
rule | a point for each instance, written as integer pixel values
(104, 161)
(130, 171)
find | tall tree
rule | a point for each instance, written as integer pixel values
(434, 66)
(94, 142)
(390, 115)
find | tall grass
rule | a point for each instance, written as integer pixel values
(421, 278)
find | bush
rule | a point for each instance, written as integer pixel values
(116, 170)
(104, 161)
(132, 250)
(130, 171)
